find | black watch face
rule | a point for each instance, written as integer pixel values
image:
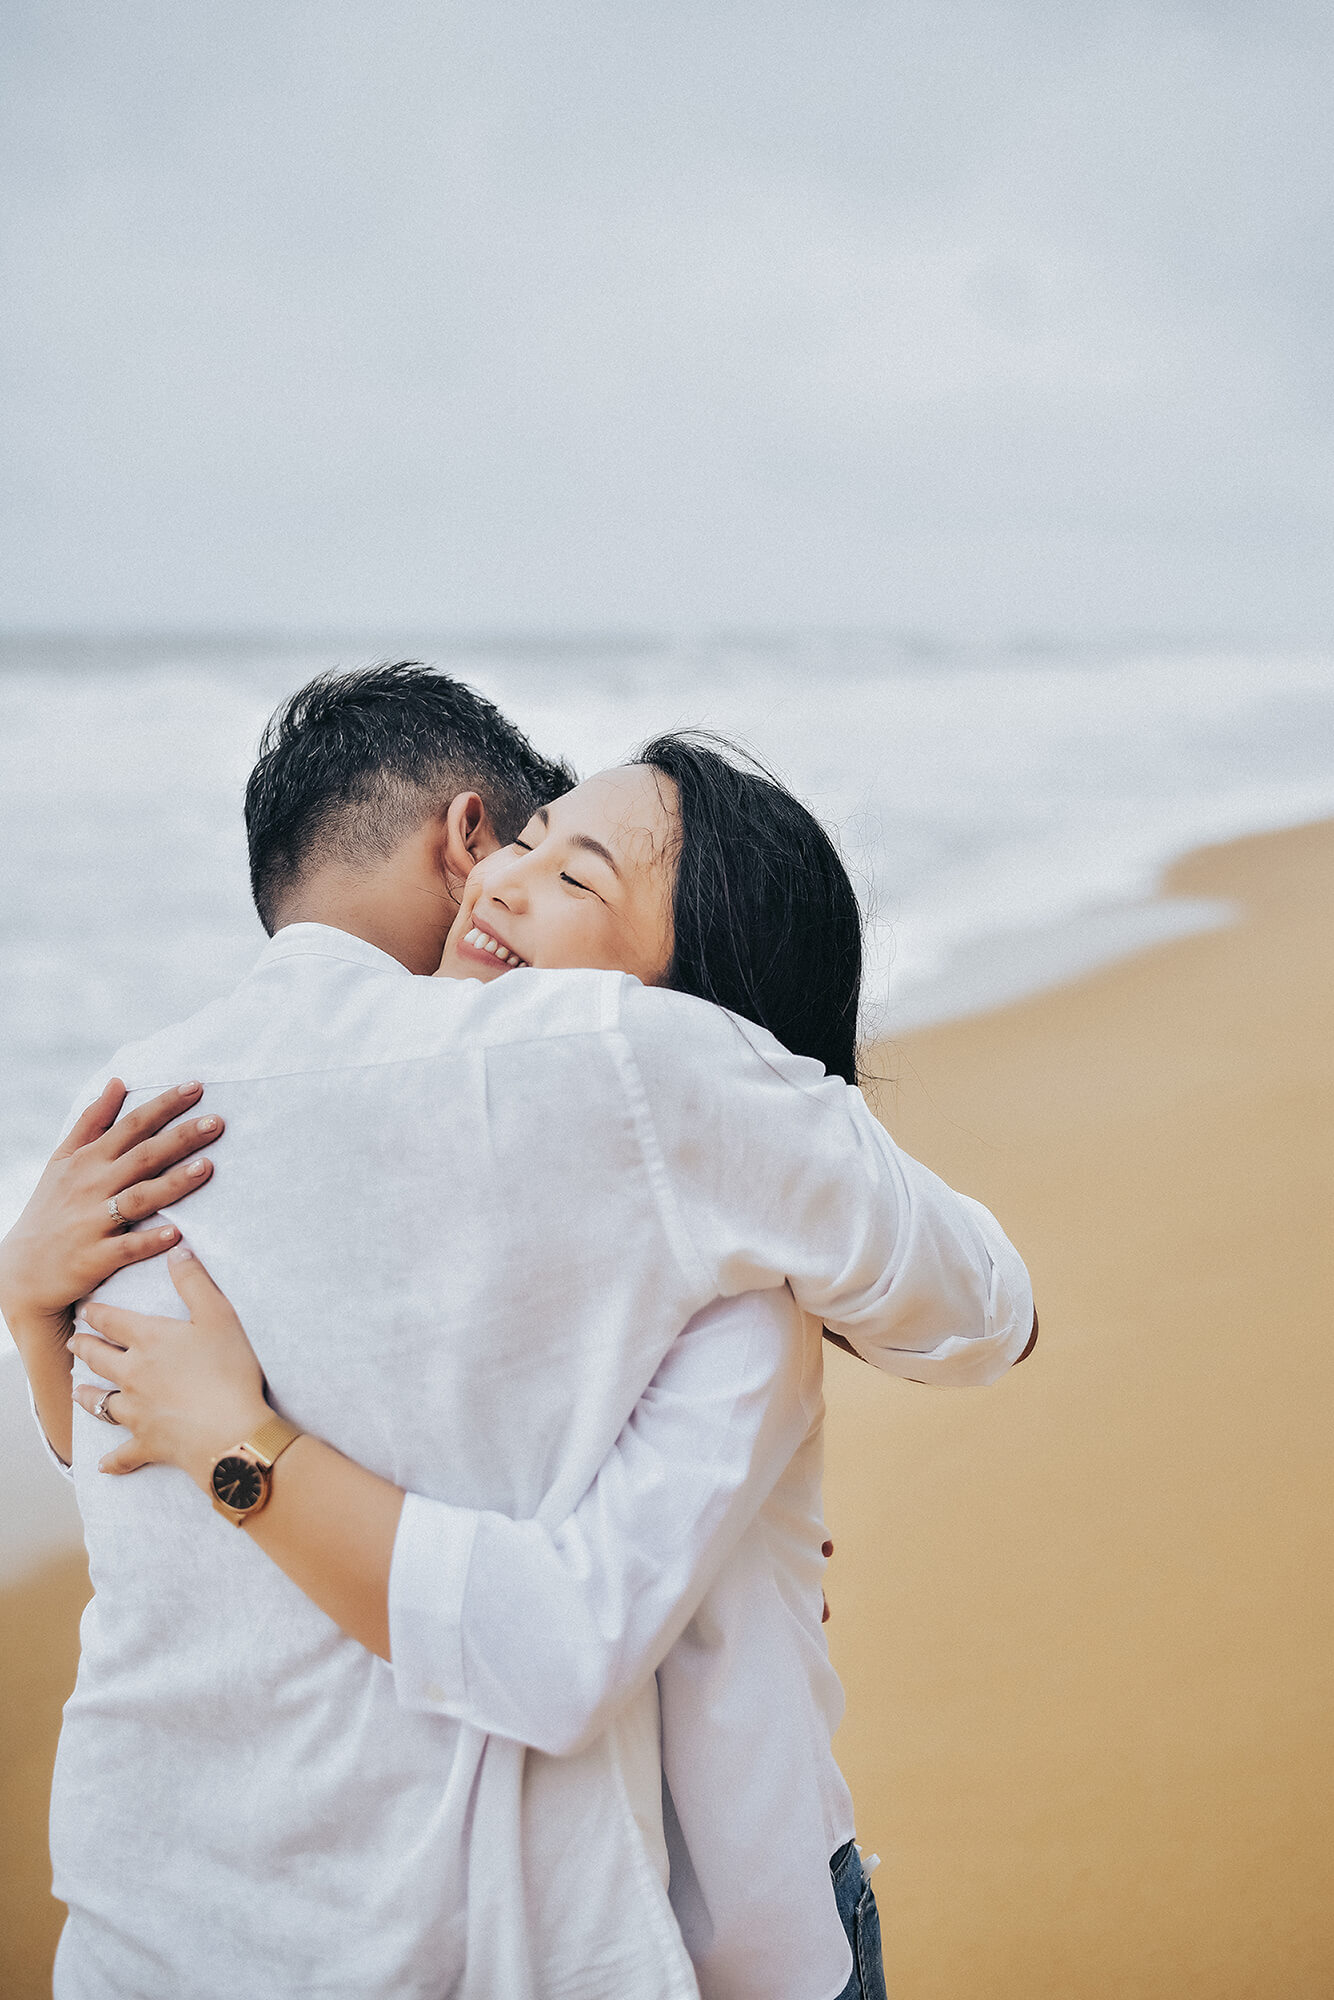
(238, 1483)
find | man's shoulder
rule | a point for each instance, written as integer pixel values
(661, 1014)
(265, 1026)
(680, 1029)
(531, 1005)
(325, 1013)
(170, 1054)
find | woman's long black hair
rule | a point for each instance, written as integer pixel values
(766, 920)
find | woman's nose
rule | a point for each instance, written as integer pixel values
(505, 883)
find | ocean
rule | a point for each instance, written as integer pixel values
(1006, 815)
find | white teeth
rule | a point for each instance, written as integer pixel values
(479, 941)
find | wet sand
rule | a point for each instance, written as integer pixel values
(1086, 1618)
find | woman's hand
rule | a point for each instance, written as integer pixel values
(187, 1389)
(67, 1242)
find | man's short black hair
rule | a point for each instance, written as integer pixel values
(353, 763)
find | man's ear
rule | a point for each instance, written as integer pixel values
(468, 837)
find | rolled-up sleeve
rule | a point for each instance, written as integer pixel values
(540, 1631)
(984, 1348)
(428, 1578)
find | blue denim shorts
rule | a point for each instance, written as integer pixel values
(861, 1921)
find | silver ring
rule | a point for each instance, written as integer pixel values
(119, 1221)
(100, 1407)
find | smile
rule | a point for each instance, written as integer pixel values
(481, 940)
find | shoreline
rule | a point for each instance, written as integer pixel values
(1003, 968)
(1084, 1618)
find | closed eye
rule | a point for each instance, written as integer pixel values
(576, 884)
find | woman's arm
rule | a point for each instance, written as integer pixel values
(66, 1242)
(523, 1630)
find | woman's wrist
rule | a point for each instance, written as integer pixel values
(16, 1306)
(29, 1293)
(37, 1332)
(222, 1433)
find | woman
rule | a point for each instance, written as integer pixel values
(692, 873)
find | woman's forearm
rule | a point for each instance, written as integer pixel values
(330, 1526)
(46, 1360)
(187, 1391)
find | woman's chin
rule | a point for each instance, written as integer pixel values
(452, 966)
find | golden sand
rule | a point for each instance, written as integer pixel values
(1086, 1618)
(39, 1652)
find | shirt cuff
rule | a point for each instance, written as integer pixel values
(65, 1471)
(972, 1360)
(962, 1363)
(1010, 1305)
(428, 1577)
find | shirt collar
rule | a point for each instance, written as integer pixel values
(323, 941)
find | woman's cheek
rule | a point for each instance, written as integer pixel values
(572, 942)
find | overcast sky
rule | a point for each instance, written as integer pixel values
(976, 319)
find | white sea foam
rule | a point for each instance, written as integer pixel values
(1007, 817)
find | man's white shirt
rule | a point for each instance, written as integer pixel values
(464, 1226)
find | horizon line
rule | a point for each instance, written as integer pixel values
(412, 635)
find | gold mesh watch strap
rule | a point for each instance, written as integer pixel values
(271, 1440)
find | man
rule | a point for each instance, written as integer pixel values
(328, 1833)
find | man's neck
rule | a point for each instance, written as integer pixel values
(402, 920)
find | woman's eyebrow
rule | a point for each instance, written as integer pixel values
(591, 846)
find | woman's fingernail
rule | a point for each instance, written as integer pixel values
(167, 1235)
(70, 1343)
(182, 1254)
(207, 1124)
(196, 1168)
(191, 1089)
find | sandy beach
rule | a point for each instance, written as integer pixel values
(1085, 1619)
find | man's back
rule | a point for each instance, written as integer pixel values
(239, 1794)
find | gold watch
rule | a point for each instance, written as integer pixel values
(242, 1478)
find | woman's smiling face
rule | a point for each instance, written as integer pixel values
(588, 883)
